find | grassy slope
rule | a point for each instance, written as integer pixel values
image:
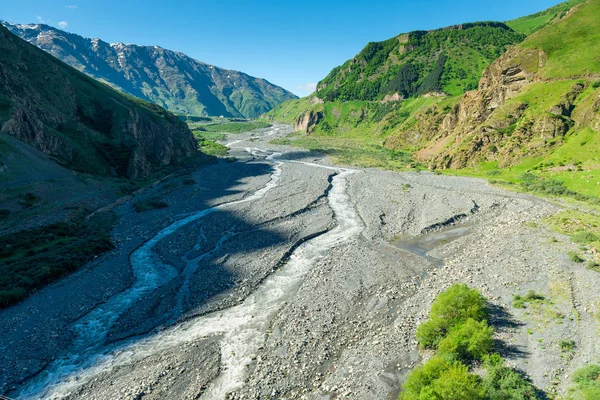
(572, 46)
(449, 60)
(533, 23)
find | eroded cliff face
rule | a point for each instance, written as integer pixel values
(83, 124)
(493, 123)
(308, 121)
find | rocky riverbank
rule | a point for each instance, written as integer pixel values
(314, 287)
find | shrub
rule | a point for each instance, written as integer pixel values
(456, 383)
(567, 345)
(468, 341)
(422, 377)
(452, 307)
(503, 383)
(587, 380)
(4, 213)
(533, 296)
(575, 257)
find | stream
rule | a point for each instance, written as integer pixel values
(241, 327)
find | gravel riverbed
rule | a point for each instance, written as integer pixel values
(307, 281)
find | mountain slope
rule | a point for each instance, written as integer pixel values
(82, 123)
(448, 60)
(171, 79)
(530, 101)
(533, 23)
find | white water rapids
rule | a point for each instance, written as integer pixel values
(242, 327)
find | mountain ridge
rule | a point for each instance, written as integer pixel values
(82, 123)
(171, 79)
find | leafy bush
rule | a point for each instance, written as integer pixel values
(468, 341)
(452, 307)
(441, 379)
(422, 377)
(456, 383)
(587, 380)
(503, 383)
(4, 213)
(575, 257)
(567, 345)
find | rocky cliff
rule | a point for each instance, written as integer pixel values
(170, 79)
(528, 100)
(81, 123)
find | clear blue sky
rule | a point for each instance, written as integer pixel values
(290, 43)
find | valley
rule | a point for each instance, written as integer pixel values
(422, 225)
(262, 252)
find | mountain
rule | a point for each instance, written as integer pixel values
(448, 60)
(80, 122)
(536, 107)
(170, 79)
(533, 103)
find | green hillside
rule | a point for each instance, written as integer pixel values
(449, 60)
(537, 110)
(533, 23)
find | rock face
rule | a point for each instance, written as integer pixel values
(486, 125)
(170, 79)
(308, 121)
(82, 123)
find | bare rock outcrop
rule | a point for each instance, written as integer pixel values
(308, 121)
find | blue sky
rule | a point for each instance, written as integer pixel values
(291, 43)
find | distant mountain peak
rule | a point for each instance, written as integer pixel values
(168, 78)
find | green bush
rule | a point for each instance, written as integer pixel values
(567, 345)
(4, 213)
(443, 380)
(503, 383)
(587, 380)
(575, 257)
(468, 341)
(452, 307)
(422, 377)
(456, 383)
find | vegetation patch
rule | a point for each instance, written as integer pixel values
(236, 127)
(149, 204)
(34, 258)
(587, 383)
(352, 151)
(531, 297)
(458, 330)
